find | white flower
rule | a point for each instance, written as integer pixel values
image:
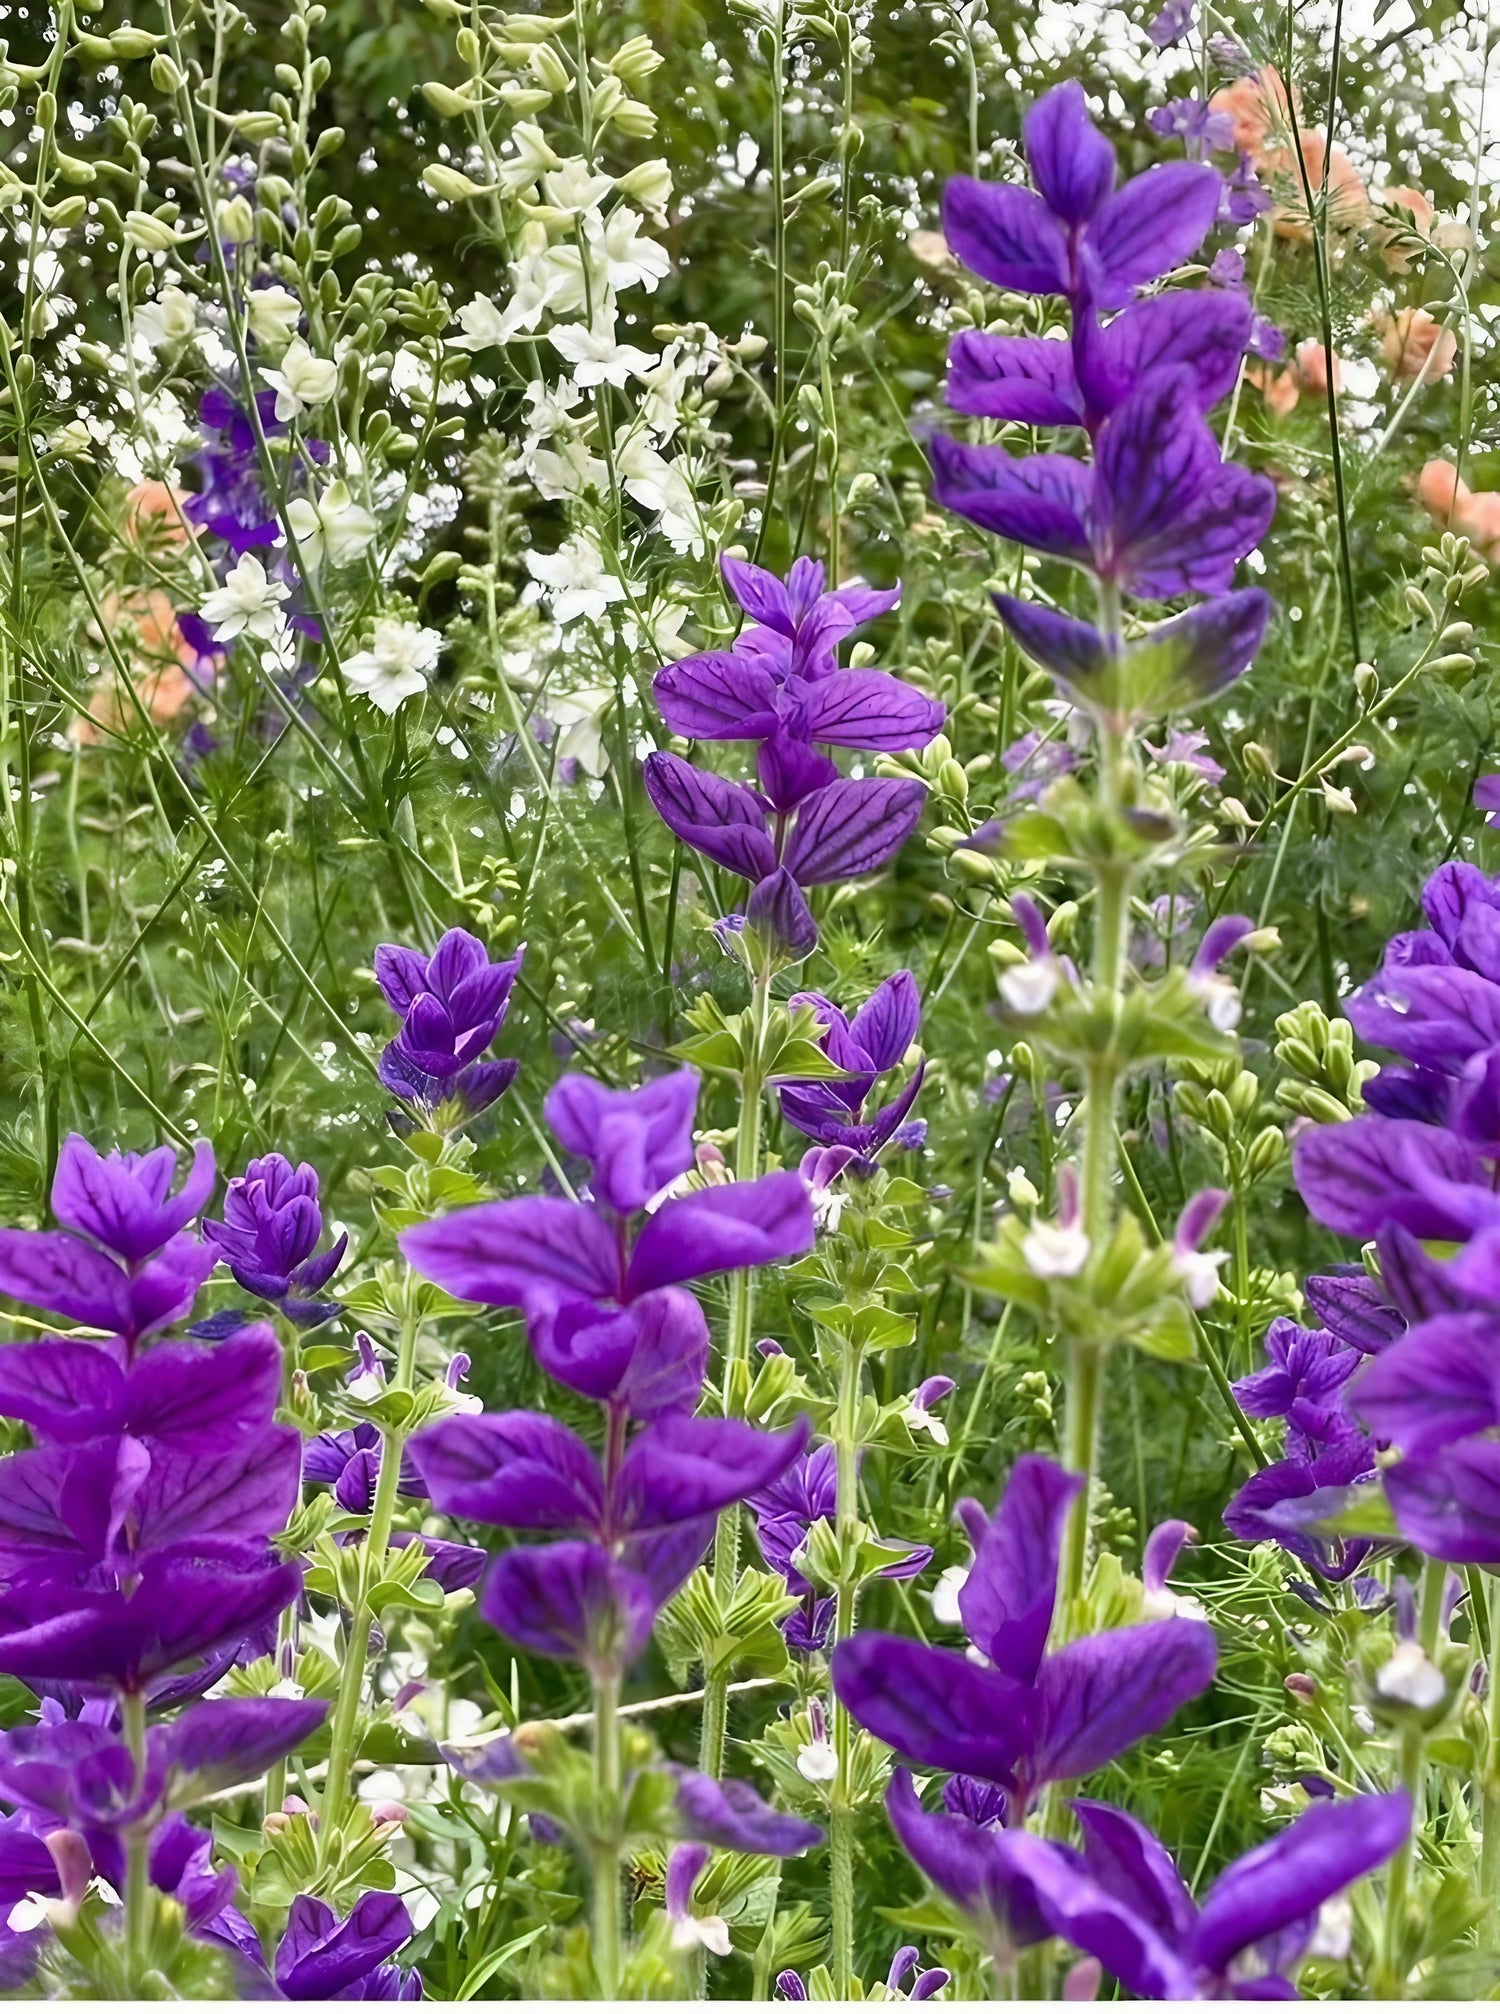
(580, 584)
(712, 1932)
(548, 411)
(1021, 1189)
(369, 1384)
(1199, 1274)
(596, 355)
(817, 1761)
(1335, 1930)
(1337, 798)
(569, 471)
(273, 314)
(533, 154)
(944, 1597)
(332, 526)
(1056, 1251)
(581, 719)
(651, 186)
(248, 601)
(1219, 999)
(623, 257)
(665, 384)
(545, 279)
(304, 381)
(1410, 1677)
(396, 666)
(659, 485)
(573, 187)
(169, 319)
(1028, 988)
(30, 1913)
(482, 324)
(920, 1421)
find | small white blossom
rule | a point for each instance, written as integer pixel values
(169, 319)
(1056, 1251)
(651, 186)
(30, 1913)
(597, 356)
(248, 603)
(482, 323)
(944, 1597)
(817, 1761)
(1410, 1677)
(332, 526)
(532, 156)
(1028, 988)
(547, 412)
(1199, 1274)
(304, 381)
(622, 256)
(661, 486)
(368, 1385)
(920, 1421)
(569, 471)
(712, 1932)
(573, 187)
(273, 314)
(396, 666)
(580, 584)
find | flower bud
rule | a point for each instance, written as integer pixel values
(235, 221)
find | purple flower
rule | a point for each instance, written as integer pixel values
(348, 1460)
(1245, 198)
(736, 1817)
(798, 623)
(1192, 657)
(1170, 25)
(1074, 233)
(1290, 1502)
(321, 1958)
(737, 695)
(1303, 1384)
(123, 1261)
(1487, 798)
(1122, 1900)
(1158, 512)
(270, 1234)
(231, 503)
(1025, 1718)
(452, 1007)
(602, 1289)
(1195, 122)
(830, 1110)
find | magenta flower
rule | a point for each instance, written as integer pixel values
(269, 1238)
(452, 1007)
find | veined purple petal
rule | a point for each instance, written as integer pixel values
(519, 1469)
(717, 697)
(636, 1141)
(1369, 1172)
(1006, 235)
(683, 1468)
(1072, 651)
(853, 827)
(537, 1250)
(1130, 1863)
(1351, 1305)
(871, 710)
(986, 1872)
(321, 1958)
(1155, 222)
(1439, 1383)
(124, 1201)
(1205, 331)
(1088, 1915)
(1102, 1694)
(736, 1817)
(1071, 162)
(1042, 501)
(1007, 1601)
(777, 912)
(570, 1601)
(1448, 1504)
(717, 1230)
(1029, 379)
(649, 1357)
(935, 1706)
(63, 1391)
(722, 820)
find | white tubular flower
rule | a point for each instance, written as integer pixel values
(622, 256)
(397, 665)
(659, 485)
(817, 1761)
(1028, 988)
(568, 471)
(1056, 1251)
(170, 318)
(533, 156)
(334, 527)
(572, 187)
(1410, 1678)
(273, 314)
(580, 585)
(303, 382)
(248, 603)
(651, 186)
(482, 322)
(597, 356)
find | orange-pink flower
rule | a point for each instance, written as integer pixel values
(1444, 495)
(1348, 199)
(153, 515)
(1307, 372)
(157, 652)
(1415, 344)
(1258, 107)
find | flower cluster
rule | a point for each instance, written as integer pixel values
(452, 1007)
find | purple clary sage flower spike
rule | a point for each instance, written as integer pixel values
(734, 1816)
(1025, 1718)
(269, 1238)
(1122, 1900)
(1290, 1502)
(452, 1007)
(601, 1283)
(123, 1260)
(321, 1958)
(1304, 1383)
(728, 695)
(799, 622)
(874, 1041)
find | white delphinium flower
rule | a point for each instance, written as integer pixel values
(532, 157)
(659, 485)
(1409, 1677)
(397, 664)
(580, 584)
(1056, 1251)
(332, 526)
(582, 719)
(651, 186)
(597, 355)
(168, 319)
(303, 381)
(665, 383)
(548, 412)
(248, 603)
(273, 314)
(482, 323)
(569, 470)
(944, 1597)
(574, 187)
(621, 256)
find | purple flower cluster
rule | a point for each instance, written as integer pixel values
(781, 688)
(135, 1531)
(601, 1284)
(269, 1239)
(1156, 512)
(831, 1110)
(452, 1007)
(1420, 1167)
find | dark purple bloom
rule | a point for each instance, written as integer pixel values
(269, 1236)
(1157, 512)
(830, 1110)
(321, 1958)
(605, 1310)
(1288, 1502)
(1303, 1384)
(231, 502)
(983, 1868)
(177, 1394)
(736, 1817)
(1438, 1384)
(1122, 1900)
(798, 623)
(348, 1460)
(452, 1007)
(1076, 234)
(785, 1510)
(1448, 1504)
(732, 695)
(1195, 122)
(1351, 1306)
(1487, 798)
(1245, 198)
(1371, 1172)
(1025, 1718)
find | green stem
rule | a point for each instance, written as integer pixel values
(1489, 1852)
(841, 1803)
(1390, 1977)
(344, 1740)
(1434, 1581)
(137, 1849)
(606, 1919)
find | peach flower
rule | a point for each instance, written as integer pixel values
(158, 654)
(1396, 248)
(1475, 513)
(1312, 368)
(1414, 344)
(153, 514)
(1348, 199)
(1258, 107)
(1278, 389)
(1307, 372)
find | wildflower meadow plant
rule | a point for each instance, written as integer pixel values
(750, 1004)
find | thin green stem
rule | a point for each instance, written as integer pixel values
(841, 1803)
(1489, 1852)
(137, 1849)
(1390, 1976)
(606, 1916)
(1434, 1581)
